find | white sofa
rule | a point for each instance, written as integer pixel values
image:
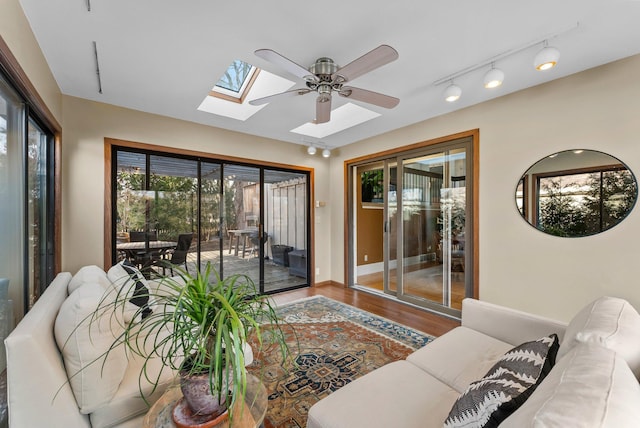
(38, 387)
(593, 383)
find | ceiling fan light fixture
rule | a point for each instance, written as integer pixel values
(546, 58)
(452, 93)
(326, 153)
(311, 150)
(493, 78)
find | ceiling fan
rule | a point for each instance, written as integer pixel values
(325, 77)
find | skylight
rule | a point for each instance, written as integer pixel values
(235, 83)
(240, 83)
(343, 117)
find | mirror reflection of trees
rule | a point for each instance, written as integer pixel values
(585, 204)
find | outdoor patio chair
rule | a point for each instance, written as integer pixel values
(143, 258)
(254, 240)
(178, 256)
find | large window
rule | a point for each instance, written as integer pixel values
(173, 210)
(27, 196)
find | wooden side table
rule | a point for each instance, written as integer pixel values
(252, 416)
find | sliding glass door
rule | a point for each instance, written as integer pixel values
(285, 229)
(185, 212)
(433, 228)
(410, 234)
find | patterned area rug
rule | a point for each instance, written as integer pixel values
(332, 344)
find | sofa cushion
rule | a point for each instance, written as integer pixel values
(610, 322)
(398, 394)
(591, 386)
(130, 284)
(507, 385)
(84, 334)
(128, 401)
(91, 273)
(459, 357)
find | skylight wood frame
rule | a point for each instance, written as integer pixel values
(244, 92)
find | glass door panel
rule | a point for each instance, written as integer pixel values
(241, 220)
(40, 252)
(131, 207)
(173, 213)
(433, 228)
(370, 230)
(283, 247)
(211, 218)
(391, 229)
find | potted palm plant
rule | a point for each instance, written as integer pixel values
(199, 328)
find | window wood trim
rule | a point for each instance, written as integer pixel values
(240, 100)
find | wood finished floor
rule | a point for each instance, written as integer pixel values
(421, 280)
(410, 316)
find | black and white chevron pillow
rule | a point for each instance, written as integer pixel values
(506, 386)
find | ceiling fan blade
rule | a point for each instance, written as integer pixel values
(285, 63)
(378, 57)
(323, 109)
(369, 97)
(264, 100)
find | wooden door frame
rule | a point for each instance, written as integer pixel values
(474, 134)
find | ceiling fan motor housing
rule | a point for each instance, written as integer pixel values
(324, 66)
(322, 80)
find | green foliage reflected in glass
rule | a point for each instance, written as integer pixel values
(585, 204)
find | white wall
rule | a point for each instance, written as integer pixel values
(85, 126)
(17, 34)
(519, 266)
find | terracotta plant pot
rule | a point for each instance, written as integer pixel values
(199, 397)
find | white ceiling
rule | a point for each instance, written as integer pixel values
(163, 56)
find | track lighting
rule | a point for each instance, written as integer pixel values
(326, 153)
(547, 58)
(452, 93)
(311, 150)
(493, 78)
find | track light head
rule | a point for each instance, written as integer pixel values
(547, 58)
(311, 150)
(452, 93)
(493, 78)
(326, 153)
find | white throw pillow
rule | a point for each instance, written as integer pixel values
(610, 322)
(84, 333)
(91, 273)
(591, 386)
(131, 286)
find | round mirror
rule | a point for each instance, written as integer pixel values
(576, 193)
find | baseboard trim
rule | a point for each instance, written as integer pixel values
(329, 283)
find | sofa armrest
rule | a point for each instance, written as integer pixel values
(39, 394)
(506, 324)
